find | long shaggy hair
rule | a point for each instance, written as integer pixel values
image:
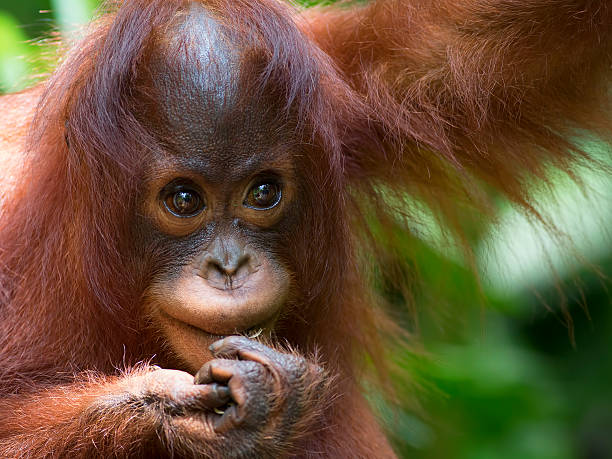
(445, 102)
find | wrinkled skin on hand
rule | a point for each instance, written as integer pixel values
(249, 395)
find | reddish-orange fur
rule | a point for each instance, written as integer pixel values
(439, 99)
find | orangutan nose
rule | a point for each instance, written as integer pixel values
(228, 262)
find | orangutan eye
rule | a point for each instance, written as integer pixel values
(182, 200)
(263, 196)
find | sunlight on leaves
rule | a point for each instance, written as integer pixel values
(71, 14)
(523, 253)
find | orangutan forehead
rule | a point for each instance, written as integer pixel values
(201, 111)
(195, 70)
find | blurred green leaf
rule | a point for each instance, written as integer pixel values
(13, 67)
(71, 14)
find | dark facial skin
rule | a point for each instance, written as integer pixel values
(218, 197)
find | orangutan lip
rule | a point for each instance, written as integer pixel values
(182, 323)
(251, 332)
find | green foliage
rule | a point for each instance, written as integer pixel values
(504, 379)
(13, 66)
(71, 14)
(23, 26)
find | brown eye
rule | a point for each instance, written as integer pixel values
(182, 201)
(263, 196)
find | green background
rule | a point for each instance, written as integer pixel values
(499, 373)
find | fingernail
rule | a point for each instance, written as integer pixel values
(216, 345)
